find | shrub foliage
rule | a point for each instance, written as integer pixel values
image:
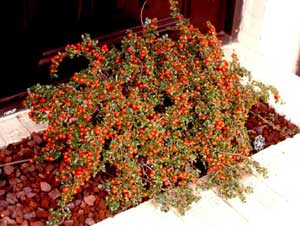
(147, 114)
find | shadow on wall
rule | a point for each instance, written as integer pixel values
(298, 65)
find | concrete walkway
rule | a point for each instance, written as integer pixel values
(15, 127)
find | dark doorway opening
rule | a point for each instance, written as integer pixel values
(37, 29)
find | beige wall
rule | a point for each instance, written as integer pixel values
(270, 30)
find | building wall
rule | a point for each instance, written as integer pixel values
(270, 33)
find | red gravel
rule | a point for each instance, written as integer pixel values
(278, 130)
(28, 191)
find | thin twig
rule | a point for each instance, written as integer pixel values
(265, 121)
(213, 176)
(170, 183)
(231, 153)
(144, 172)
(141, 14)
(278, 128)
(143, 164)
(251, 131)
(109, 174)
(15, 162)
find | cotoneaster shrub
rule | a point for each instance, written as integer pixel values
(147, 113)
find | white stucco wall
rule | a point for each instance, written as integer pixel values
(270, 33)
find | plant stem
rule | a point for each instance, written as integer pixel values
(265, 121)
(14, 163)
(231, 153)
(141, 14)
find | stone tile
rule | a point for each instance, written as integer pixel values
(262, 206)
(12, 130)
(202, 213)
(281, 157)
(2, 142)
(28, 124)
(282, 161)
(145, 214)
(264, 195)
(213, 211)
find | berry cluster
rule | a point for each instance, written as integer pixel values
(146, 114)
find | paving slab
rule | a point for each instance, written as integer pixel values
(29, 124)
(12, 130)
(283, 164)
(145, 214)
(211, 210)
(261, 206)
(2, 142)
